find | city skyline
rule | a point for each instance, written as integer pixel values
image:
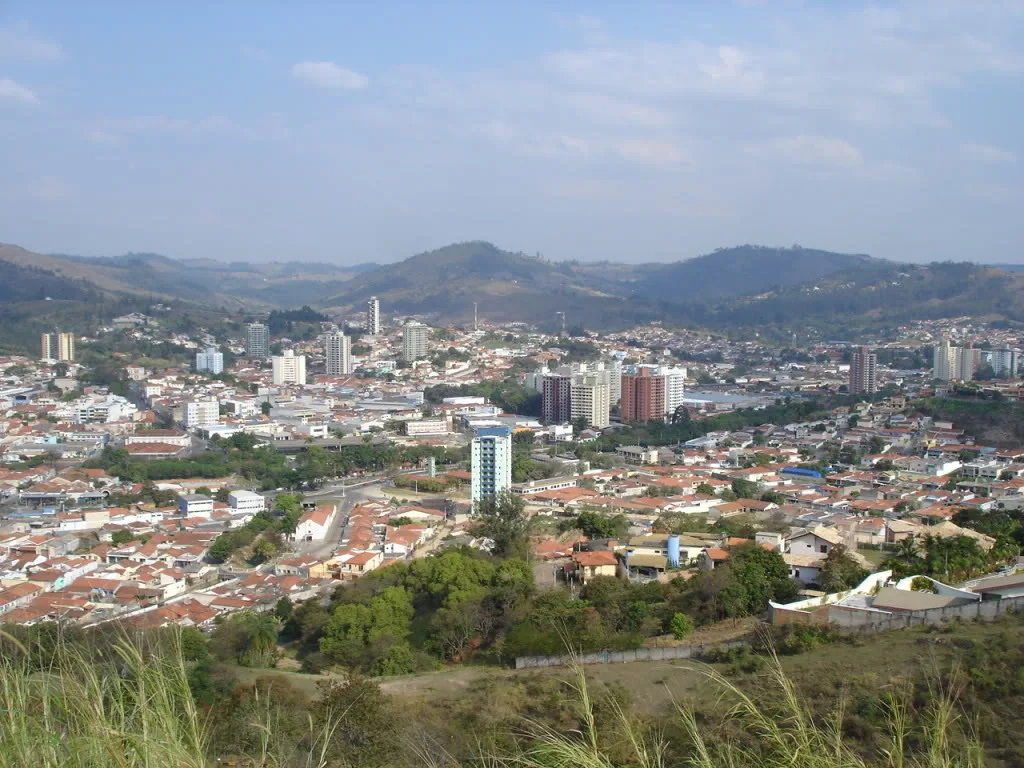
(649, 134)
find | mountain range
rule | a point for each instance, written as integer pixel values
(747, 286)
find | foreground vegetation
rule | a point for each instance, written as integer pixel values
(948, 698)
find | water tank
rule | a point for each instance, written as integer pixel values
(673, 551)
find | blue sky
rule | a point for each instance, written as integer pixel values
(352, 132)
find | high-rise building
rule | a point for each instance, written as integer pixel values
(373, 316)
(210, 360)
(491, 463)
(675, 387)
(289, 368)
(945, 361)
(1005, 362)
(589, 400)
(58, 346)
(643, 397)
(966, 363)
(257, 340)
(414, 341)
(556, 399)
(863, 372)
(338, 354)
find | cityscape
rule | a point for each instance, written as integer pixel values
(539, 385)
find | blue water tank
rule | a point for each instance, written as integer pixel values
(673, 551)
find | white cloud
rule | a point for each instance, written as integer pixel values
(18, 42)
(14, 93)
(809, 150)
(327, 74)
(989, 153)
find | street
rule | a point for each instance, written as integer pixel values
(332, 493)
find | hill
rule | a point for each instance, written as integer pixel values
(747, 270)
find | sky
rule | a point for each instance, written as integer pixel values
(352, 131)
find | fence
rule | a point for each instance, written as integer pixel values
(870, 620)
(621, 657)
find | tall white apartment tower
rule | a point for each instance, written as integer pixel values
(373, 316)
(289, 368)
(338, 354)
(675, 387)
(414, 341)
(491, 459)
(589, 400)
(944, 361)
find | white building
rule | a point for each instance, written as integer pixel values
(210, 360)
(414, 341)
(1004, 362)
(421, 427)
(315, 524)
(288, 368)
(373, 316)
(246, 501)
(338, 354)
(200, 413)
(194, 505)
(491, 455)
(103, 409)
(589, 400)
(675, 387)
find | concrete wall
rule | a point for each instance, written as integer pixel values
(868, 620)
(621, 657)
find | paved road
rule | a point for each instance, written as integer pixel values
(331, 493)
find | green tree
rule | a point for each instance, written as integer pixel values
(121, 537)
(284, 609)
(840, 571)
(680, 626)
(361, 722)
(504, 521)
(596, 525)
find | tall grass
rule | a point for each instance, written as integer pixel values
(783, 734)
(136, 710)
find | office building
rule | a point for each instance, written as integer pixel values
(288, 368)
(200, 413)
(210, 360)
(58, 346)
(373, 316)
(589, 400)
(257, 340)
(491, 462)
(338, 354)
(675, 387)
(863, 372)
(556, 397)
(643, 397)
(414, 341)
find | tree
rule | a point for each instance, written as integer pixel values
(705, 490)
(284, 609)
(840, 571)
(744, 489)
(222, 495)
(262, 551)
(680, 626)
(504, 521)
(265, 408)
(680, 416)
(596, 525)
(121, 537)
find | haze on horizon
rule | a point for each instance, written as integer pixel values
(650, 132)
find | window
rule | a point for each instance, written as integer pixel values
(824, 549)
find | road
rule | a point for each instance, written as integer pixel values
(332, 493)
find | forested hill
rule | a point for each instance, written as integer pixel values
(748, 286)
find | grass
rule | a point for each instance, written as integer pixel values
(136, 709)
